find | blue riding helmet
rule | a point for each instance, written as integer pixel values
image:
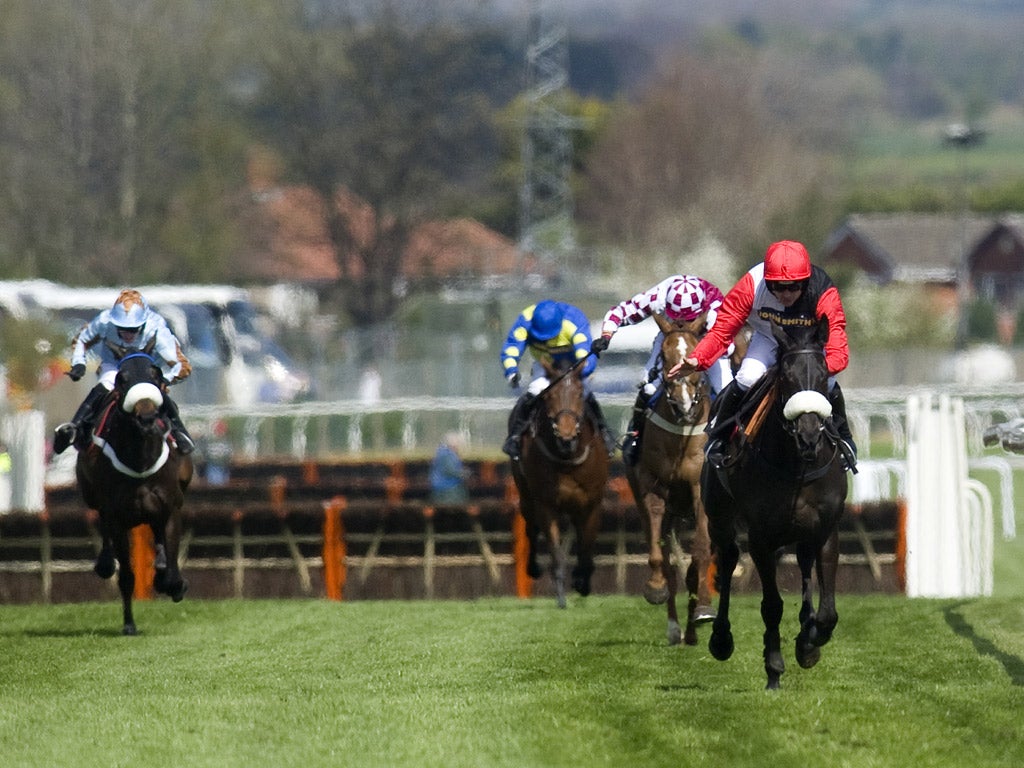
(547, 321)
(130, 310)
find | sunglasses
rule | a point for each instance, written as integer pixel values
(785, 287)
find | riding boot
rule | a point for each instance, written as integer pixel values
(635, 430)
(602, 424)
(81, 423)
(721, 426)
(848, 448)
(518, 421)
(181, 436)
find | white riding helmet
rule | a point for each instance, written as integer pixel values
(130, 310)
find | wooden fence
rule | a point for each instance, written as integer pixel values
(366, 530)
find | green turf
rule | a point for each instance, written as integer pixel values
(503, 682)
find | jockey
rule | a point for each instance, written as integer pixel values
(554, 332)
(129, 326)
(681, 298)
(785, 287)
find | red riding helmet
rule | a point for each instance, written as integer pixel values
(787, 260)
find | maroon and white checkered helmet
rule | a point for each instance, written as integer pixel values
(684, 299)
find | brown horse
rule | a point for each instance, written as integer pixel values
(132, 476)
(784, 482)
(561, 476)
(666, 482)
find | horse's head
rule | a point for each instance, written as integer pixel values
(688, 395)
(563, 403)
(803, 383)
(138, 384)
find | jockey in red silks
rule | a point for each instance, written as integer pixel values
(786, 288)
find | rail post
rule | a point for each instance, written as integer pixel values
(334, 548)
(520, 544)
(143, 558)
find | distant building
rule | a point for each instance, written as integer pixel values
(934, 250)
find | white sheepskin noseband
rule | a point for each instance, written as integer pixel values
(807, 401)
(140, 392)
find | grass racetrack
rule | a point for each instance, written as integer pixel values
(504, 682)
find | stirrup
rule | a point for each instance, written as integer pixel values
(715, 452)
(631, 449)
(184, 442)
(64, 436)
(511, 448)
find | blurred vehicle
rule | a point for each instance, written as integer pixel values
(234, 361)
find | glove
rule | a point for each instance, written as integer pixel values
(77, 371)
(599, 345)
(513, 379)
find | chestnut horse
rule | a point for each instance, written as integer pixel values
(785, 483)
(666, 481)
(561, 477)
(132, 475)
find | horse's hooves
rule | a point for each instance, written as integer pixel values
(129, 630)
(703, 614)
(675, 633)
(721, 645)
(179, 594)
(807, 653)
(655, 595)
(104, 567)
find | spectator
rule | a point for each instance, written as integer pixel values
(216, 454)
(447, 474)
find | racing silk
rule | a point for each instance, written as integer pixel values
(101, 334)
(751, 301)
(653, 301)
(571, 344)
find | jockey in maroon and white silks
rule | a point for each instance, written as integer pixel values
(679, 298)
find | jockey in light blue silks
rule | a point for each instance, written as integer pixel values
(129, 326)
(553, 331)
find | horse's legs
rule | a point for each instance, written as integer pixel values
(558, 560)
(586, 536)
(700, 552)
(807, 651)
(721, 643)
(168, 578)
(125, 580)
(533, 569)
(656, 588)
(828, 566)
(771, 612)
(105, 563)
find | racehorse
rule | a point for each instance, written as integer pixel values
(561, 476)
(666, 481)
(132, 475)
(785, 483)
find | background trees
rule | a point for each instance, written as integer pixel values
(126, 127)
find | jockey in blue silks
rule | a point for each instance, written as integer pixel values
(555, 332)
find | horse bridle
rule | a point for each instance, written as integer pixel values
(577, 418)
(789, 425)
(701, 391)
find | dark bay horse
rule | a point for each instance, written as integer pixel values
(132, 475)
(666, 481)
(787, 486)
(561, 477)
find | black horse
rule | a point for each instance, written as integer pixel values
(787, 486)
(133, 475)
